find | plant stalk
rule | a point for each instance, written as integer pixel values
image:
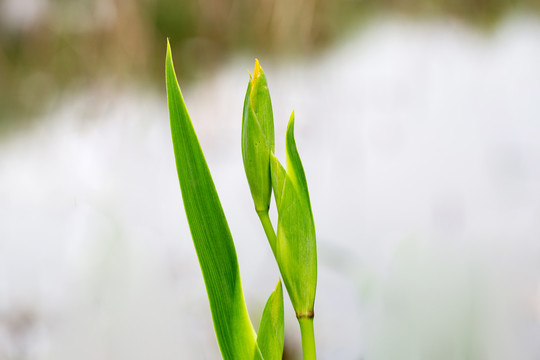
(308, 338)
(268, 228)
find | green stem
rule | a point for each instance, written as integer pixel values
(308, 338)
(268, 228)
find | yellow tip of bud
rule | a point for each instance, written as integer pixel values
(258, 70)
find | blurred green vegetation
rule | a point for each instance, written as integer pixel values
(75, 43)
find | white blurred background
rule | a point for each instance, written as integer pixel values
(420, 137)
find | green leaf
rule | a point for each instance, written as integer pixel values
(296, 248)
(258, 138)
(278, 179)
(210, 232)
(295, 170)
(270, 337)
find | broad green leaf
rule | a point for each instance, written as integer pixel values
(270, 337)
(210, 232)
(296, 248)
(258, 138)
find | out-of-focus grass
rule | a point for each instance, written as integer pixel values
(77, 43)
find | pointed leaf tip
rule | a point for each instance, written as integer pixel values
(290, 126)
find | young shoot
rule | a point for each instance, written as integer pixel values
(293, 242)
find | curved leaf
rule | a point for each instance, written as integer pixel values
(210, 232)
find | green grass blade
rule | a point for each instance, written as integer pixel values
(210, 232)
(271, 330)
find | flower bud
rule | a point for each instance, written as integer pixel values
(258, 138)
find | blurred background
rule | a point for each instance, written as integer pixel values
(419, 127)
